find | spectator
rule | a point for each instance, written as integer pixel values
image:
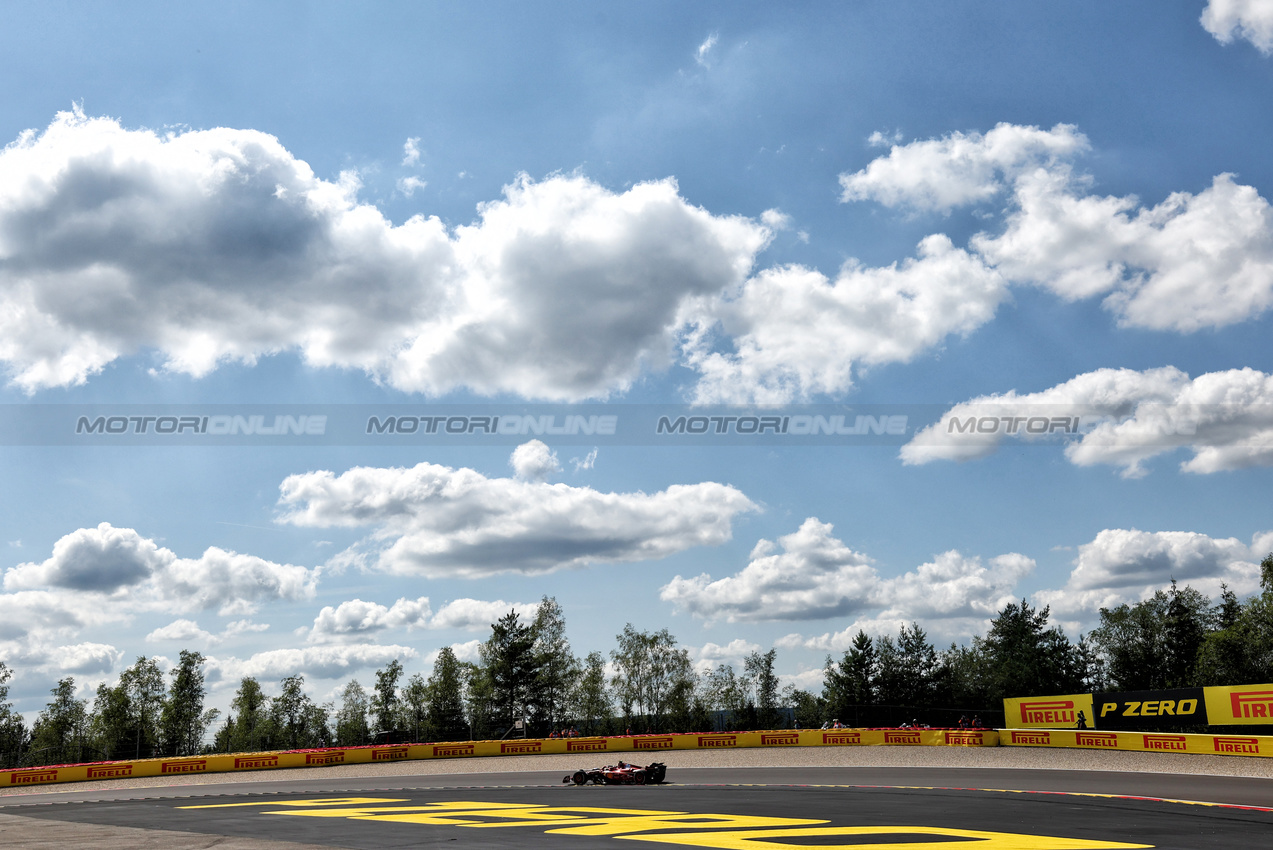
(554, 735)
(836, 724)
(976, 722)
(963, 721)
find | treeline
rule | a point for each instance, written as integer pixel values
(140, 716)
(1177, 638)
(527, 678)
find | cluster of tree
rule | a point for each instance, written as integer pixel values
(138, 717)
(1177, 638)
(528, 678)
(1180, 638)
(528, 673)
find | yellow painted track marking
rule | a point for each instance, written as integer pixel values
(728, 832)
(964, 839)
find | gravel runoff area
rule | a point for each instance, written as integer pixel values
(945, 757)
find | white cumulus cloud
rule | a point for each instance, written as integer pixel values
(219, 245)
(1193, 261)
(1248, 19)
(435, 521)
(1124, 418)
(314, 662)
(1127, 565)
(534, 461)
(136, 574)
(84, 658)
(358, 618)
(795, 333)
(958, 169)
(180, 630)
(816, 576)
(478, 614)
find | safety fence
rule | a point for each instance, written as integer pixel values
(1148, 742)
(647, 745)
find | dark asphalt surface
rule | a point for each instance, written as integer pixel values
(949, 802)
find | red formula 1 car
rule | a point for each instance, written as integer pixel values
(622, 773)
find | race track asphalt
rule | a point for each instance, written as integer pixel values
(897, 808)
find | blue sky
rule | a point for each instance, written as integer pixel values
(1026, 209)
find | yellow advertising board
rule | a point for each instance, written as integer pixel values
(1229, 705)
(1240, 705)
(1148, 742)
(1053, 712)
(647, 746)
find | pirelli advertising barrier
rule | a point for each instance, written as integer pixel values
(585, 748)
(1236, 705)
(1148, 742)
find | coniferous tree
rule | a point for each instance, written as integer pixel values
(511, 669)
(1190, 616)
(852, 682)
(1024, 657)
(907, 668)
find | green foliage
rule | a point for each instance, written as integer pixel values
(723, 690)
(1132, 639)
(143, 687)
(13, 733)
(591, 699)
(511, 669)
(1023, 657)
(351, 717)
(62, 726)
(556, 667)
(908, 668)
(183, 720)
(249, 728)
(446, 698)
(653, 679)
(112, 729)
(852, 681)
(384, 701)
(760, 669)
(295, 721)
(809, 708)
(413, 714)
